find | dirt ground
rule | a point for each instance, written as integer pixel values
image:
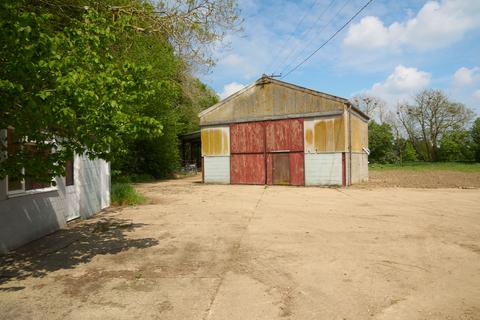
(252, 252)
(422, 179)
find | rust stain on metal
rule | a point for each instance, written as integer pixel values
(326, 135)
(297, 175)
(215, 141)
(225, 139)
(339, 132)
(309, 137)
(271, 99)
(205, 143)
(284, 135)
(247, 169)
(359, 134)
(247, 137)
(281, 169)
(320, 130)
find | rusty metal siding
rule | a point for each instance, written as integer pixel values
(297, 174)
(297, 169)
(280, 168)
(247, 169)
(215, 141)
(325, 135)
(323, 169)
(270, 100)
(216, 169)
(359, 134)
(269, 168)
(253, 146)
(247, 137)
(284, 135)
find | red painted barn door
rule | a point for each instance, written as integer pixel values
(247, 149)
(247, 169)
(247, 137)
(267, 152)
(285, 137)
(280, 168)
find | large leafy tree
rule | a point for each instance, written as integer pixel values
(380, 142)
(101, 77)
(62, 91)
(456, 146)
(430, 117)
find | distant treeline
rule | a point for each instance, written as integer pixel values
(432, 128)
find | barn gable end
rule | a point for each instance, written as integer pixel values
(269, 99)
(273, 132)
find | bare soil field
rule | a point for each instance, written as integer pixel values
(422, 179)
(252, 252)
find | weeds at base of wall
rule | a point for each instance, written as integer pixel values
(125, 194)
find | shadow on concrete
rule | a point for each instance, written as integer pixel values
(65, 249)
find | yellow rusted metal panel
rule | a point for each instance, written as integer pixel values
(215, 141)
(320, 136)
(339, 134)
(325, 135)
(205, 142)
(359, 134)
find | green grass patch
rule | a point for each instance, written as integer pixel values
(428, 166)
(125, 194)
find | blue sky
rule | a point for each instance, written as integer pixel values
(392, 50)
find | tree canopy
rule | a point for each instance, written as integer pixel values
(430, 117)
(102, 77)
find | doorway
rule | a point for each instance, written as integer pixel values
(281, 168)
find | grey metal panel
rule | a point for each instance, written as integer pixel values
(323, 169)
(359, 167)
(216, 169)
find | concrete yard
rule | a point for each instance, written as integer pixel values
(252, 252)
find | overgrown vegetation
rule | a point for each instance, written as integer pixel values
(125, 194)
(110, 79)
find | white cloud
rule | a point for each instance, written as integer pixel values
(272, 40)
(437, 24)
(401, 85)
(476, 94)
(466, 77)
(230, 89)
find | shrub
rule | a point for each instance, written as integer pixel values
(125, 194)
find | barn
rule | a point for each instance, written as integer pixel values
(277, 133)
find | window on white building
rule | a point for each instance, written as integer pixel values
(16, 184)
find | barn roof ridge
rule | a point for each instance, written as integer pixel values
(264, 79)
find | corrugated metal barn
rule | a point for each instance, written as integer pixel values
(273, 132)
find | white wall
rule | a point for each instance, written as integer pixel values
(216, 169)
(323, 169)
(31, 215)
(359, 167)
